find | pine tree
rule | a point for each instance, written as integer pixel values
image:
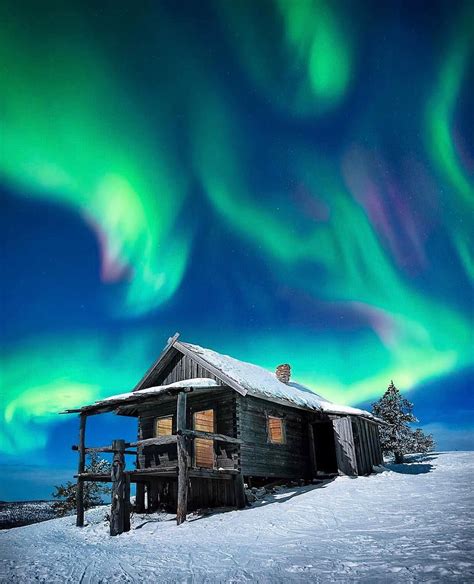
(398, 438)
(66, 494)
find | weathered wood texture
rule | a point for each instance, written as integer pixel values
(367, 445)
(223, 403)
(117, 513)
(202, 493)
(80, 469)
(345, 450)
(178, 368)
(183, 462)
(126, 504)
(212, 436)
(259, 457)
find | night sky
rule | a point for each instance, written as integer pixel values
(282, 181)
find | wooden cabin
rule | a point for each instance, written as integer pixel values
(208, 424)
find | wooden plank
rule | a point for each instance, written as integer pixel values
(212, 436)
(80, 469)
(183, 463)
(126, 504)
(361, 447)
(379, 444)
(373, 455)
(368, 449)
(344, 441)
(101, 449)
(157, 441)
(355, 433)
(376, 443)
(117, 512)
(372, 445)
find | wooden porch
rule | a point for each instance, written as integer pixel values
(183, 472)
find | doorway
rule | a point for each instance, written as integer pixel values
(325, 447)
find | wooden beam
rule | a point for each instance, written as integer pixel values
(154, 441)
(211, 436)
(117, 513)
(126, 503)
(101, 449)
(183, 463)
(80, 469)
(137, 475)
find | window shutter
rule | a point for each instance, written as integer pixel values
(164, 426)
(275, 430)
(203, 448)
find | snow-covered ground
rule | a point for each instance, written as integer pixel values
(411, 523)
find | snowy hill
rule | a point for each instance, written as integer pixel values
(412, 522)
(18, 513)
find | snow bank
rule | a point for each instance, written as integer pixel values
(395, 526)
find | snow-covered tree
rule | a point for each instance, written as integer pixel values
(398, 438)
(421, 442)
(93, 492)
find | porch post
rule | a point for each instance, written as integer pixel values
(117, 512)
(183, 467)
(126, 503)
(80, 469)
(140, 498)
(239, 490)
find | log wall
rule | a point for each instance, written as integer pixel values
(223, 403)
(261, 458)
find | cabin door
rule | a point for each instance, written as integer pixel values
(204, 448)
(325, 447)
(345, 448)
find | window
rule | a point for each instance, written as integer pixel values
(164, 426)
(275, 430)
(204, 448)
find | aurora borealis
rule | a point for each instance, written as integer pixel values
(284, 181)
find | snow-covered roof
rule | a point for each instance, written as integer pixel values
(132, 396)
(246, 377)
(203, 382)
(263, 383)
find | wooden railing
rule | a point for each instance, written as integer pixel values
(120, 512)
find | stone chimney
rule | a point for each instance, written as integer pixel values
(283, 373)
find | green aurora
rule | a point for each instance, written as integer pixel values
(155, 130)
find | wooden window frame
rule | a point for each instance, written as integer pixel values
(193, 413)
(283, 430)
(155, 435)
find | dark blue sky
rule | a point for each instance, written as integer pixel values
(281, 181)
